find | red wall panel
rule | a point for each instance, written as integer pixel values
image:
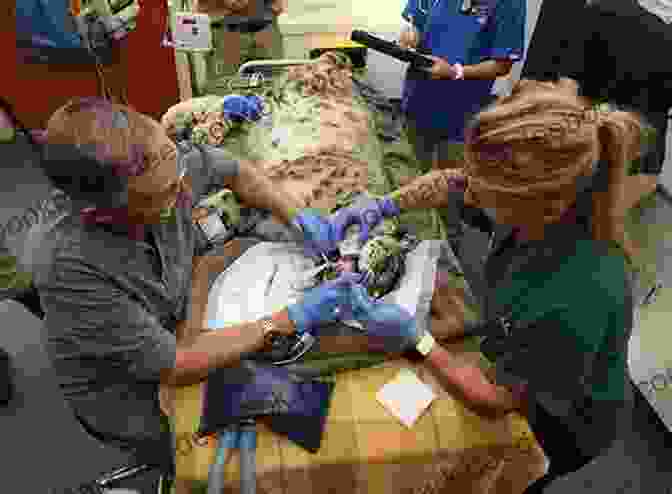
(143, 67)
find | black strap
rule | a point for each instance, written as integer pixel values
(30, 299)
(477, 218)
(6, 382)
(499, 329)
(146, 455)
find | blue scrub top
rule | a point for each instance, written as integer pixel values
(48, 20)
(496, 31)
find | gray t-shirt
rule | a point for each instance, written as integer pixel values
(112, 305)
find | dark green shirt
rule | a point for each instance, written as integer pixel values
(571, 296)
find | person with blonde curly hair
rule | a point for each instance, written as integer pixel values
(559, 306)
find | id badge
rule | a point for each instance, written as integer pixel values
(213, 227)
(192, 32)
(481, 9)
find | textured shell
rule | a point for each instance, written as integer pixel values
(376, 251)
(383, 282)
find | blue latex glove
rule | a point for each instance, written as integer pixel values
(368, 217)
(317, 231)
(237, 107)
(390, 327)
(327, 303)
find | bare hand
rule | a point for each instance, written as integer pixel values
(167, 400)
(409, 38)
(213, 7)
(237, 5)
(448, 313)
(279, 7)
(441, 69)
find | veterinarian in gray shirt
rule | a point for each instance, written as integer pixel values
(115, 279)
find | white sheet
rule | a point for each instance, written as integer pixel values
(241, 293)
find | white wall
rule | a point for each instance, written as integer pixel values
(315, 16)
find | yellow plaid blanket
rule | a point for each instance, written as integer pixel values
(366, 450)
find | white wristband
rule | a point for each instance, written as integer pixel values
(460, 71)
(425, 344)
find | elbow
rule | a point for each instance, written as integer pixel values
(492, 404)
(242, 178)
(169, 378)
(190, 368)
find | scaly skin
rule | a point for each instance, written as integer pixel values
(430, 191)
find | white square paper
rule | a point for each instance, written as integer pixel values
(406, 397)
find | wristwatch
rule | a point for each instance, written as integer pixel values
(425, 344)
(421, 350)
(269, 331)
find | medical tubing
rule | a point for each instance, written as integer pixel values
(248, 457)
(226, 442)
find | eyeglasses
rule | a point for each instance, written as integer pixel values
(466, 7)
(182, 167)
(147, 198)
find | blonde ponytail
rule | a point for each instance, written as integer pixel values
(619, 134)
(552, 136)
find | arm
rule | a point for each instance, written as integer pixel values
(218, 8)
(201, 271)
(574, 336)
(488, 70)
(255, 190)
(430, 191)
(209, 350)
(202, 266)
(507, 45)
(471, 385)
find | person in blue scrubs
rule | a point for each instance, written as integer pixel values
(473, 42)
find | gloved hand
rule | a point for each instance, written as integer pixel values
(389, 326)
(238, 108)
(324, 304)
(318, 233)
(367, 216)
